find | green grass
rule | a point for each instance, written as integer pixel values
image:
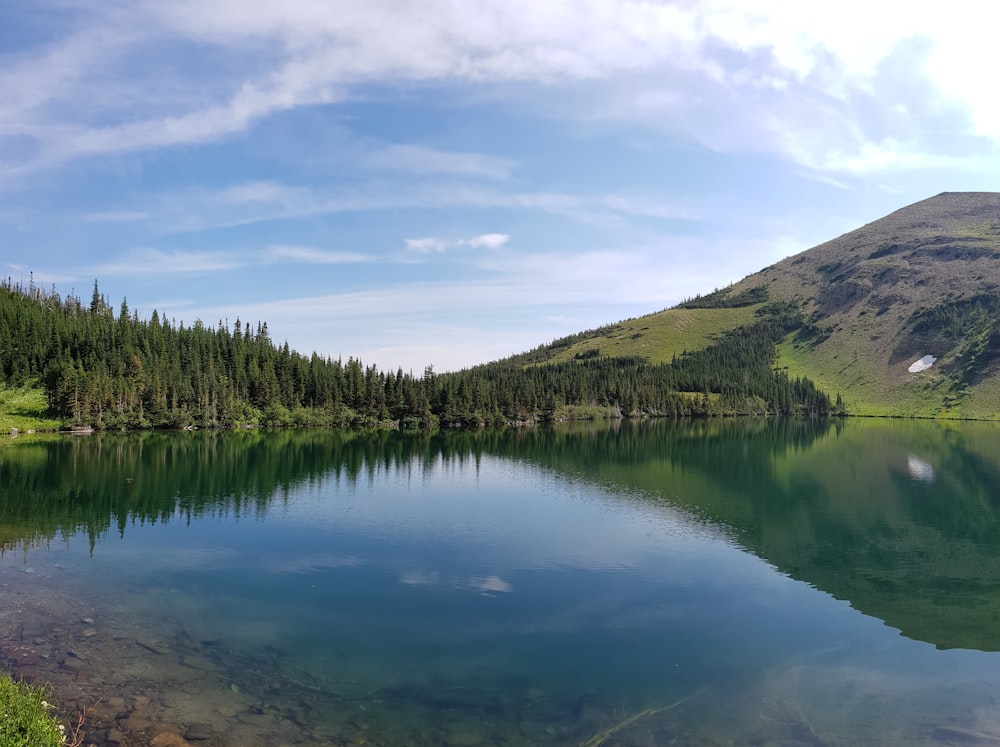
(659, 337)
(983, 402)
(24, 408)
(869, 388)
(26, 718)
(864, 384)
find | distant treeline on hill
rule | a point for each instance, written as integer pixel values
(118, 371)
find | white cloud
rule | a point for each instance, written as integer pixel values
(488, 240)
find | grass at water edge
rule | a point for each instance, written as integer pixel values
(26, 716)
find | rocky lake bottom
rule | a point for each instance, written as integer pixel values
(121, 681)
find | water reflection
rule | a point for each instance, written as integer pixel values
(525, 586)
(837, 505)
(825, 503)
(848, 507)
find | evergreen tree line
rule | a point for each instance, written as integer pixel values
(119, 371)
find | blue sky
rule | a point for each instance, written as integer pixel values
(446, 182)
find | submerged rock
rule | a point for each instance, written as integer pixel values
(198, 732)
(168, 738)
(462, 738)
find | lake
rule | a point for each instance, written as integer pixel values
(696, 583)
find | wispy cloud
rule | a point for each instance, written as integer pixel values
(485, 241)
(24, 273)
(416, 159)
(156, 262)
(426, 245)
(649, 206)
(309, 255)
(148, 262)
(799, 76)
(638, 276)
(259, 201)
(112, 216)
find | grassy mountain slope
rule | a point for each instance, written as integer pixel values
(921, 281)
(924, 280)
(655, 337)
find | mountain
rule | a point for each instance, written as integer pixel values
(900, 317)
(919, 285)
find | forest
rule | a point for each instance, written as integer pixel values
(113, 371)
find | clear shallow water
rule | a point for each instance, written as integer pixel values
(719, 583)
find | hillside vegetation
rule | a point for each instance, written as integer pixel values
(924, 280)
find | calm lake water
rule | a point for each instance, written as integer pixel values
(706, 583)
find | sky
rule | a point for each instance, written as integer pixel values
(449, 182)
